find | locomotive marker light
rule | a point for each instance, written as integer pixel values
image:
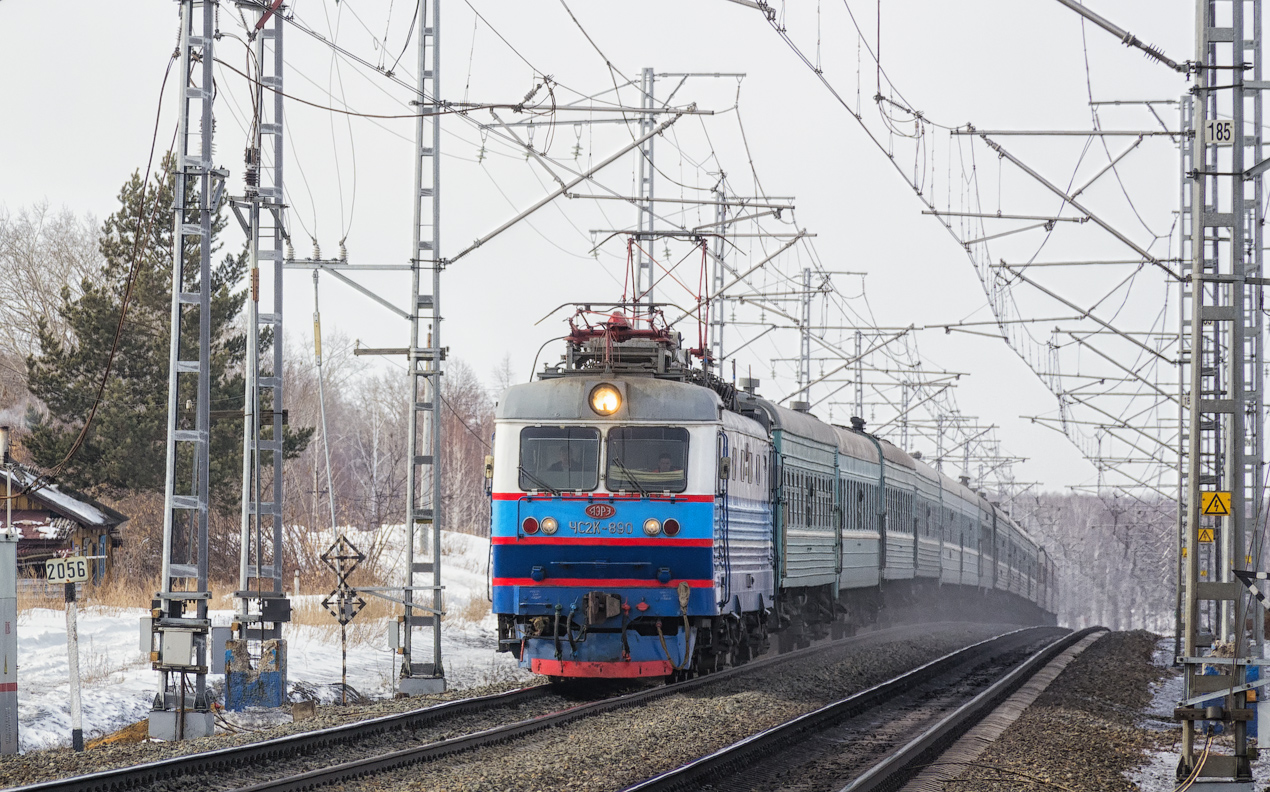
(605, 399)
(652, 527)
(549, 525)
(530, 525)
(671, 527)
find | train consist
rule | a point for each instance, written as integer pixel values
(651, 520)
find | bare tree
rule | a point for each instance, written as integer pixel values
(504, 375)
(44, 257)
(467, 425)
(1115, 559)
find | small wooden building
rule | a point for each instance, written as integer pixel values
(52, 521)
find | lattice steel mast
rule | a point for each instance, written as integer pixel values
(263, 607)
(1224, 356)
(421, 667)
(179, 638)
(718, 274)
(644, 236)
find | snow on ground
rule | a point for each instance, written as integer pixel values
(118, 685)
(1159, 772)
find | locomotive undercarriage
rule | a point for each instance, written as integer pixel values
(798, 617)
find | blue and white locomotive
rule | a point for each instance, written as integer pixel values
(650, 520)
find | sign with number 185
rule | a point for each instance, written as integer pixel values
(1219, 131)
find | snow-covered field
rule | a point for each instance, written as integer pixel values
(118, 685)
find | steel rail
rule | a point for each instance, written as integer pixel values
(894, 771)
(734, 758)
(435, 750)
(314, 741)
(306, 742)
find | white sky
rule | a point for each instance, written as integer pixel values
(79, 82)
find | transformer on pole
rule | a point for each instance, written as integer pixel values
(1221, 362)
(179, 621)
(421, 667)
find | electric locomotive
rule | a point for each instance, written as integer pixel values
(649, 520)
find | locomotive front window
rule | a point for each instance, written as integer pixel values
(561, 458)
(647, 459)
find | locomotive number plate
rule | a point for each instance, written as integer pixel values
(600, 511)
(614, 528)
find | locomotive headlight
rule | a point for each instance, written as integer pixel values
(549, 525)
(652, 527)
(605, 399)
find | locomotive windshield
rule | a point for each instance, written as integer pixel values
(559, 458)
(647, 458)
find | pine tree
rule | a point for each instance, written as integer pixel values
(124, 449)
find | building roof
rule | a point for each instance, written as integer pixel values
(66, 503)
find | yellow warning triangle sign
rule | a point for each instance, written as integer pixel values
(1206, 534)
(1215, 504)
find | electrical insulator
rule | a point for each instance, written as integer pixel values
(317, 251)
(343, 252)
(290, 251)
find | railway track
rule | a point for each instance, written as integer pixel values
(307, 743)
(215, 769)
(810, 748)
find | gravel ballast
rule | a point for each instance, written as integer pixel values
(1085, 731)
(601, 753)
(611, 751)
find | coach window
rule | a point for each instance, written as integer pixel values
(562, 458)
(647, 458)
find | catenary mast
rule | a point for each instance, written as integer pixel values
(1222, 367)
(180, 625)
(421, 667)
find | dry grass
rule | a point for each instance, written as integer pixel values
(120, 592)
(472, 610)
(97, 666)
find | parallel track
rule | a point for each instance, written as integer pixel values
(900, 765)
(282, 747)
(255, 754)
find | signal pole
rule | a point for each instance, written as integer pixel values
(1222, 366)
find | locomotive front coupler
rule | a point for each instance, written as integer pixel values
(600, 606)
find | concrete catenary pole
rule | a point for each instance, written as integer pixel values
(8, 613)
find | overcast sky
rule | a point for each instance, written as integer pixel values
(79, 87)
